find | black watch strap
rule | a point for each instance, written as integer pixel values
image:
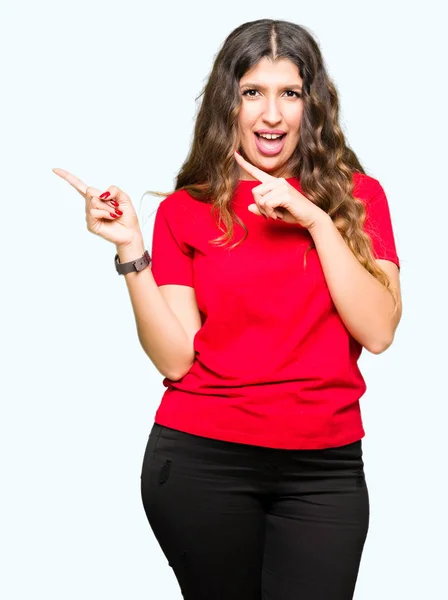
(133, 265)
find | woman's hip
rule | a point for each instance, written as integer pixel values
(260, 468)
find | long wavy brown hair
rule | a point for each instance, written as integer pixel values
(322, 160)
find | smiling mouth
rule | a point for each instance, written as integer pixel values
(269, 147)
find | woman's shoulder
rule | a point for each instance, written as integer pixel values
(364, 185)
(177, 201)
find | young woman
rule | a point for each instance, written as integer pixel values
(253, 479)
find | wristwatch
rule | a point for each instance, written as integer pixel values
(133, 265)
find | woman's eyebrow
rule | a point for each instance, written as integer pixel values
(295, 86)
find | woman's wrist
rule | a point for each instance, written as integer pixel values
(132, 250)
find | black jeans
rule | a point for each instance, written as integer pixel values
(243, 522)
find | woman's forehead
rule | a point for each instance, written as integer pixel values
(281, 71)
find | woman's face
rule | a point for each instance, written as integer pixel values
(271, 101)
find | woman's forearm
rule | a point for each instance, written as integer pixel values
(363, 303)
(159, 331)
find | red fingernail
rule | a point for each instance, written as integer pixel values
(114, 203)
(105, 195)
(114, 216)
(119, 213)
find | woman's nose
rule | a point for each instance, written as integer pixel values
(272, 112)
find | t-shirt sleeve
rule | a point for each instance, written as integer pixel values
(172, 261)
(378, 224)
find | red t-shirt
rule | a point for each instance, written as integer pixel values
(274, 364)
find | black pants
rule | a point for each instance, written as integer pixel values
(243, 522)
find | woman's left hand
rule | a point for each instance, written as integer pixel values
(277, 199)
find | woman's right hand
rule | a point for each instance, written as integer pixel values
(120, 229)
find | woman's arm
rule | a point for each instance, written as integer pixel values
(159, 331)
(363, 303)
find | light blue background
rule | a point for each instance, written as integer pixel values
(107, 91)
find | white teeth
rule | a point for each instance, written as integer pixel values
(270, 136)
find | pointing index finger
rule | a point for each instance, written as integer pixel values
(252, 170)
(74, 181)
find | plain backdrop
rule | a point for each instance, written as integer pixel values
(108, 91)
